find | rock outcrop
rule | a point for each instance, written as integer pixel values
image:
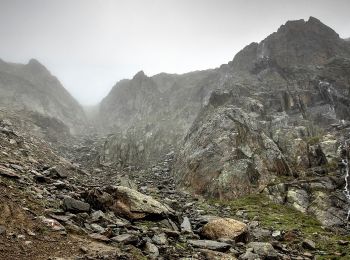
(226, 155)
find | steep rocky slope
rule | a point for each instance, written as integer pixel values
(275, 115)
(52, 207)
(295, 97)
(148, 116)
(31, 87)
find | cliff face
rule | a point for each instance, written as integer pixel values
(31, 87)
(277, 111)
(149, 116)
(154, 113)
(282, 114)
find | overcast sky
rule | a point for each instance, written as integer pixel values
(91, 44)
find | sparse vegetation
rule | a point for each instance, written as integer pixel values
(281, 217)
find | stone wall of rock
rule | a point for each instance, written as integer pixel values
(225, 155)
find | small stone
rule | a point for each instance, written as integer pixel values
(249, 255)
(263, 249)
(2, 229)
(277, 234)
(97, 215)
(186, 225)
(343, 242)
(21, 237)
(99, 237)
(75, 206)
(307, 254)
(9, 173)
(30, 233)
(171, 233)
(52, 223)
(151, 249)
(160, 239)
(214, 255)
(125, 239)
(83, 249)
(210, 244)
(309, 244)
(97, 228)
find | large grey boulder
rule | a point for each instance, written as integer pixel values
(127, 203)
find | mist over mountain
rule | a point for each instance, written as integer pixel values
(249, 160)
(32, 87)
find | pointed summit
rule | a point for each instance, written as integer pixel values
(140, 75)
(296, 43)
(35, 66)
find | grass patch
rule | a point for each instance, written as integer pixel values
(314, 140)
(281, 217)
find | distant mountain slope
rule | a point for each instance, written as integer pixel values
(32, 87)
(150, 115)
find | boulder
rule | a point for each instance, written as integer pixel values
(128, 203)
(225, 228)
(75, 206)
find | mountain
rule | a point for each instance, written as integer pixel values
(149, 116)
(286, 120)
(272, 113)
(31, 87)
(295, 43)
(154, 113)
(246, 161)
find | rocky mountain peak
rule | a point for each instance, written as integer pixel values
(140, 75)
(35, 66)
(311, 26)
(296, 43)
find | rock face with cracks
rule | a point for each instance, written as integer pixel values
(225, 155)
